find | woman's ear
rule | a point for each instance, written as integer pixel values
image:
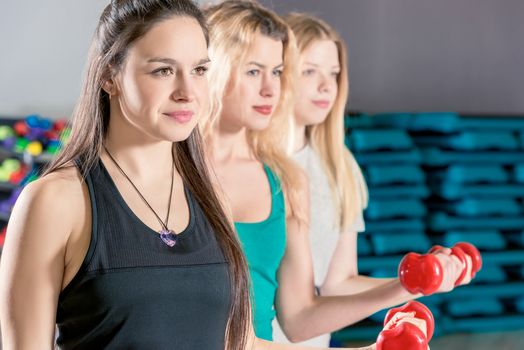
(109, 87)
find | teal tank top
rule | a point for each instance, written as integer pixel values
(264, 244)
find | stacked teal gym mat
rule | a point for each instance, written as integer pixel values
(441, 178)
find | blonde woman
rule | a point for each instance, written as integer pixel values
(338, 192)
(250, 79)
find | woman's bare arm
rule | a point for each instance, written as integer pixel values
(33, 262)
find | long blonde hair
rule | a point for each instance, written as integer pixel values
(233, 26)
(345, 178)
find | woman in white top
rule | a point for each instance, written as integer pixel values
(338, 193)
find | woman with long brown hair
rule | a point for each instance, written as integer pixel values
(123, 243)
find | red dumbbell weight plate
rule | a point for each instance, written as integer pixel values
(420, 273)
(473, 252)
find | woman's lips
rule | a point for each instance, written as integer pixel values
(265, 109)
(182, 116)
(321, 103)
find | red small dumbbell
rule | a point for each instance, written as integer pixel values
(407, 336)
(421, 311)
(424, 274)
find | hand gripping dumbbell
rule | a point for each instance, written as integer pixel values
(424, 274)
(407, 336)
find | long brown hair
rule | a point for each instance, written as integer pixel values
(346, 181)
(122, 23)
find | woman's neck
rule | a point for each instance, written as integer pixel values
(139, 155)
(230, 144)
(300, 137)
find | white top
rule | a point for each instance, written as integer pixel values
(323, 228)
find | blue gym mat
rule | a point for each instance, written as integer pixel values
(490, 274)
(472, 141)
(515, 239)
(391, 272)
(438, 157)
(474, 207)
(452, 191)
(439, 221)
(363, 245)
(399, 191)
(399, 208)
(503, 290)
(465, 174)
(519, 304)
(519, 173)
(395, 225)
(474, 307)
(446, 122)
(361, 140)
(360, 121)
(484, 324)
(482, 239)
(394, 157)
(399, 242)
(437, 121)
(377, 175)
(521, 138)
(358, 332)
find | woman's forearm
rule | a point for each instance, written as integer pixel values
(330, 313)
(353, 285)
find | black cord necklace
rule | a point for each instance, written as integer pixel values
(166, 235)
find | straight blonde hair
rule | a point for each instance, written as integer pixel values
(233, 26)
(346, 181)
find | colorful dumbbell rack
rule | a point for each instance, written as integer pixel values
(25, 146)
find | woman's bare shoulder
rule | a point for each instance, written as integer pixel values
(54, 200)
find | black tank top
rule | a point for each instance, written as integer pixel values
(135, 292)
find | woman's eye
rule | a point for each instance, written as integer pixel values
(200, 71)
(163, 72)
(335, 74)
(308, 72)
(277, 72)
(253, 72)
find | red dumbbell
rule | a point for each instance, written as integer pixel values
(421, 311)
(424, 274)
(407, 336)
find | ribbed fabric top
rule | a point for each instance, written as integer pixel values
(135, 292)
(264, 244)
